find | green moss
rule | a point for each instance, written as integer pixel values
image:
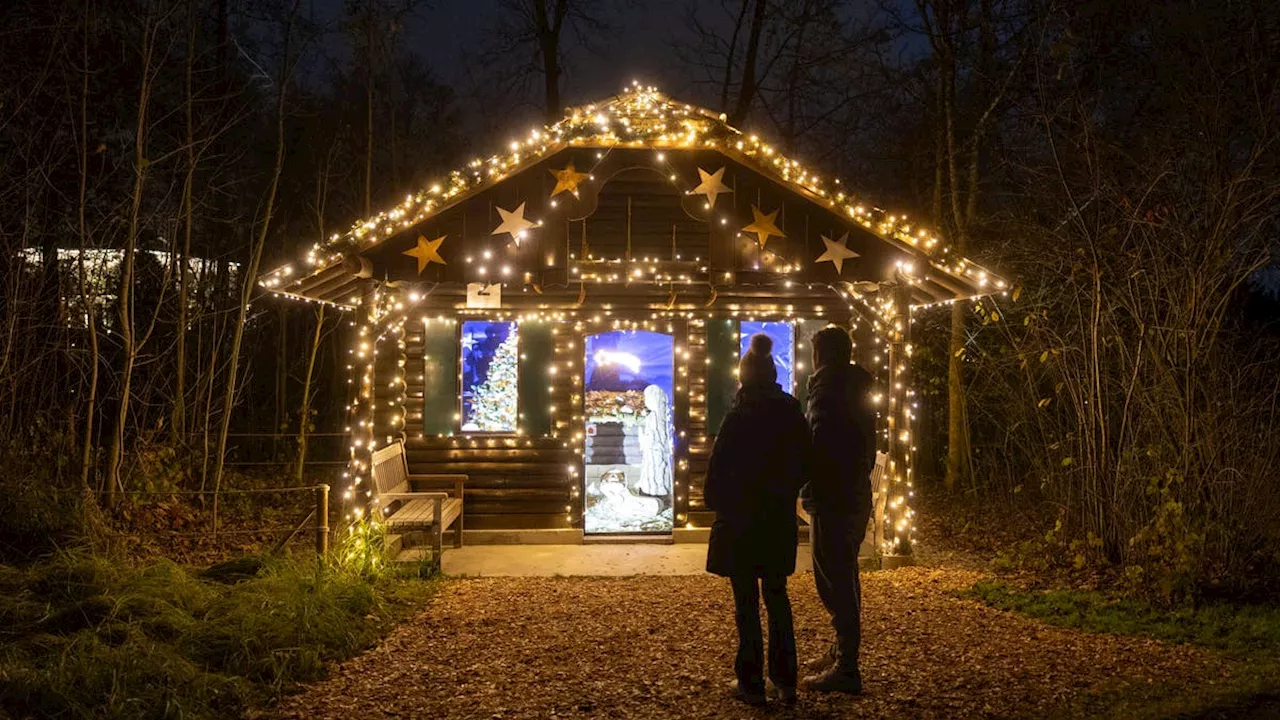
(92, 638)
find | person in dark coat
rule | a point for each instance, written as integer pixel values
(837, 497)
(753, 479)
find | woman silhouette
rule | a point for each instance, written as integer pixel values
(755, 472)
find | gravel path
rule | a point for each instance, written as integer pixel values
(661, 647)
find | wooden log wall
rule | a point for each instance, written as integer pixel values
(513, 482)
(522, 482)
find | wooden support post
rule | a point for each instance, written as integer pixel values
(898, 515)
(322, 520)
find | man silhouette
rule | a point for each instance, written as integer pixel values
(838, 499)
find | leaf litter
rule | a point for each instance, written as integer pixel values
(663, 647)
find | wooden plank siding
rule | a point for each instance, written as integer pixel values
(514, 482)
(525, 482)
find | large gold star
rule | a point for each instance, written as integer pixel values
(427, 252)
(513, 223)
(837, 252)
(763, 226)
(712, 185)
(567, 179)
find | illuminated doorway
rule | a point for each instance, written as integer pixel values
(628, 474)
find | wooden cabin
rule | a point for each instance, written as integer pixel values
(561, 322)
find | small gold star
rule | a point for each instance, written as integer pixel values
(837, 252)
(427, 252)
(712, 185)
(513, 222)
(567, 179)
(763, 225)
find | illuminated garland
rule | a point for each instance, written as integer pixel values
(641, 117)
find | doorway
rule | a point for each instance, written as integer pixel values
(628, 470)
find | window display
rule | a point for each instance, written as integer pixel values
(783, 335)
(628, 455)
(490, 365)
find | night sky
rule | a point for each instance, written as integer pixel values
(444, 32)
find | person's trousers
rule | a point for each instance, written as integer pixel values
(834, 540)
(749, 665)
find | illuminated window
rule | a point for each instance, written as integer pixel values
(490, 376)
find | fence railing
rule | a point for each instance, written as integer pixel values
(316, 521)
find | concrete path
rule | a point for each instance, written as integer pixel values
(589, 560)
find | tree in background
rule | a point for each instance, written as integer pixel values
(529, 42)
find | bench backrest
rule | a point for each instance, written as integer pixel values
(389, 470)
(879, 474)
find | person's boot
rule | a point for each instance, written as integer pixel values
(822, 662)
(784, 694)
(750, 697)
(836, 678)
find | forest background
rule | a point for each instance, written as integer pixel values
(1116, 417)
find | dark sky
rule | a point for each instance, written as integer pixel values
(444, 31)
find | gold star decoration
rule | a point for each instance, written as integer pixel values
(567, 179)
(513, 223)
(427, 252)
(837, 252)
(763, 225)
(712, 185)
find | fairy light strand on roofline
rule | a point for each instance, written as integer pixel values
(640, 117)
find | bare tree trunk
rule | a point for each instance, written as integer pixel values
(178, 421)
(727, 82)
(304, 420)
(91, 319)
(249, 279)
(549, 44)
(116, 453)
(281, 380)
(747, 89)
(369, 36)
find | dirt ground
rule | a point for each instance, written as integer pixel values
(661, 647)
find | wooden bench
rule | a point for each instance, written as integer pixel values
(403, 509)
(879, 496)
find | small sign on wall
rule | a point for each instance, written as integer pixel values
(483, 295)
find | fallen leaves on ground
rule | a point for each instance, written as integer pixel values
(662, 647)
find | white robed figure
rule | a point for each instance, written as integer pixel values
(655, 445)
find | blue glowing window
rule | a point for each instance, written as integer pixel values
(490, 372)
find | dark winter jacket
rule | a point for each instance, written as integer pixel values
(842, 424)
(753, 478)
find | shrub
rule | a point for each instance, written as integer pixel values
(40, 509)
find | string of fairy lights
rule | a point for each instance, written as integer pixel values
(639, 118)
(389, 309)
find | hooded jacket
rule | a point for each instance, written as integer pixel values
(753, 478)
(842, 427)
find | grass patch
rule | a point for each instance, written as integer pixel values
(1242, 629)
(1249, 636)
(82, 636)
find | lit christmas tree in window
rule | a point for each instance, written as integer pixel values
(490, 391)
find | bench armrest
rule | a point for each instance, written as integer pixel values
(414, 496)
(457, 480)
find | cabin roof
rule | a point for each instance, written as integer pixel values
(641, 117)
